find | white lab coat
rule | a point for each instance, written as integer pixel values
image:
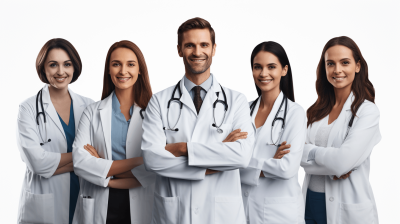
(277, 198)
(44, 197)
(350, 200)
(183, 194)
(95, 129)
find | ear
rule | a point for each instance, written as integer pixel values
(179, 51)
(214, 49)
(358, 67)
(284, 70)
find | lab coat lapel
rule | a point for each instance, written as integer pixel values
(50, 110)
(79, 106)
(340, 120)
(211, 97)
(134, 134)
(253, 116)
(185, 98)
(105, 116)
(265, 132)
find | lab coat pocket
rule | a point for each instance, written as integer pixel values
(166, 210)
(357, 213)
(229, 210)
(280, 210)
(37, 208)
(87, 210)
(217, 136)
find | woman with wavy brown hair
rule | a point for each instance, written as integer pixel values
(116, 188)
(343, 128)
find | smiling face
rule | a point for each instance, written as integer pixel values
(124, 68)
(340, 66)
(58, 68)
(267, 71)
(197, 51)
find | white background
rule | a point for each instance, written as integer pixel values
(301, 27)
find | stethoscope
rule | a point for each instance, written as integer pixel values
(173, 99)
(276, 118)
(44, 116)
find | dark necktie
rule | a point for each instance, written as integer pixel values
(197, 99)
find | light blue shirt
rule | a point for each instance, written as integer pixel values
(206, 85)
(119, 130)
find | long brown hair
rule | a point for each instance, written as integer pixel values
(361, 87)
(142, 88)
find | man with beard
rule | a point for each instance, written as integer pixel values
(188, 139)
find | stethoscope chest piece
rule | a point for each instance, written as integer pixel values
(219, 130)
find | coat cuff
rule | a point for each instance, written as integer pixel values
(106, 170)
(250, 176)
(190, 150)
(56, 159)
(146, 178)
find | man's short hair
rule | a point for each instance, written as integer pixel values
(195, 23)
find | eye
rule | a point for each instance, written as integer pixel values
(271, 67)
(189, 45)
(131, 64)
(67, 64)
(329, 64)
(115, 64)
(53, 65)
(346, 62)
(256, 67)
(204, 45)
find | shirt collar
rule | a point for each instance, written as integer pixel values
(206, 85)
(116, 105)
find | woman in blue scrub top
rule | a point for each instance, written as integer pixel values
(107, 149)
(50, 188)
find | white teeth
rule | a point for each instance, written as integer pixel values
(60, 79)
(338, 79)
(266, 81)
(123, 79)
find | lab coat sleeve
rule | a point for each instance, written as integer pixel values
(88, 167)
(38, 160)
(156, 158)
(146, 178)
(224, 156)
(356, 148)
(288, 166)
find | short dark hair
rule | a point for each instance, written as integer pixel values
(58, 43)
(195, 23)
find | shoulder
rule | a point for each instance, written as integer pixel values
(368, 108)
(234, 95)
(29, 103)
(295, 111)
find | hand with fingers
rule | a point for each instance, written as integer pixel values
(343, 177)
(91, 150)
(235, 135)
(282, 150)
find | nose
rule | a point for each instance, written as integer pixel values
(124, 70)
(264, 73)
(338, 69)
(60, 71)
(197, 51)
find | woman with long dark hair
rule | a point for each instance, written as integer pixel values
(115, 186)
(343, 128)
(271, 192)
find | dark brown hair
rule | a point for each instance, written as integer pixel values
(286, 83)
(142, 88)
(58, 43)
(361, 87)
(195, 23)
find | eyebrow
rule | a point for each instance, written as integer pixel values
(120, 61)
(267, 64)
(340, 59)
(57, 62)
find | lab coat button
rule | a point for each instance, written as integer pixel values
(246, 193)
(196, 210)
(331, 199)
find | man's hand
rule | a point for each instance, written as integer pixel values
(343, 177)
(91, 150)
(235, 135)
(280, 152)
(210, 171)
(177, 149)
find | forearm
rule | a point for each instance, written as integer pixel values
(125, 183)
(127, 174)
(65, 169)
(122, 166)
(66, 158)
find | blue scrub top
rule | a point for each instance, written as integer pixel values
(69, 131)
